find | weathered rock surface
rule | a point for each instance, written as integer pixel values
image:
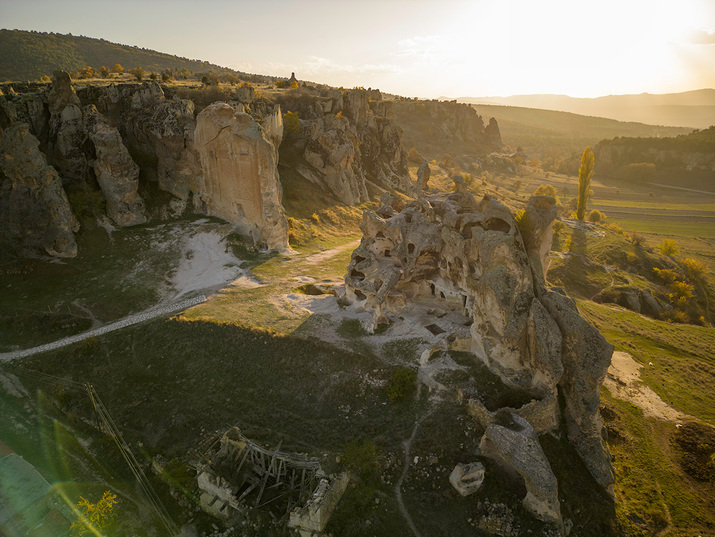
(347, 141)
(423, 175)
(467, 478)
(115, 171)
(34, 210)
(638, 300)
(67, 134)
(513, 443)
(445, 127)
(538, 219)
(450, 251)
(240, 175)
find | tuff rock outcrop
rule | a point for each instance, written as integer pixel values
(67, 135)
(347, 141)
(438, 127)
(240, 177)
(34, 210)
(115, 171)
(423, 175)
(513, 443)
(452, 251)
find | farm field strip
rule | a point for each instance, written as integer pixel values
(669, 228)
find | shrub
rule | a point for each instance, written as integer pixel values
(104, 71)
(558, 226)
(94, 518)
(668, 247)
(362, 457)
(637, 239)
(117, 69)
(596, 216)
(153, 76)
(618, 229)
(665, 275)
(138, 73)
(681, 293)
(165, 77)
(447, 162)
(291, 122)
(694, 269)
(402, 383)
(522, 221)
(294, 85)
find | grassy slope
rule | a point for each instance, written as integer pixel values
(30, 55)
(547, 132)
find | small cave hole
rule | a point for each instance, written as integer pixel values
(497, 224)
(431, 286)
(410, 248)
(388, 253)
(441, 294)
(359, 294)
(435, 329)
(358, 259)
(357, 275)
(380, 235)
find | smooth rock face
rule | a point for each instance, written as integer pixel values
(116, 172)
(467, 478)
(514, 444)
(240, 176)
(34, 210)
(466, 256)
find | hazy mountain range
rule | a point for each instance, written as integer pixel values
(694, 109)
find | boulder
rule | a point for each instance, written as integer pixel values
(116, 172)
(34, 210)
(467, 478)
(513, 444)
(240, 174)
(492, 134)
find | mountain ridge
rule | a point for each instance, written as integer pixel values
(694, 109)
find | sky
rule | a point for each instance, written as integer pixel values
(420, 48)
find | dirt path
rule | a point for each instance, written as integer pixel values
(623, 381)
(407, 444)
(327, 254)
(145, 315)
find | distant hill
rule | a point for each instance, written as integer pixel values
(695, 109)
(31, 55)
(543, 133)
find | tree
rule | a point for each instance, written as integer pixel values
(94, 518)
(104, 71)
(669, 247)
(585, 172)
(291, 122)
(117, 69)
(138, 73)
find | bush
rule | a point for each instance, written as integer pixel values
(637, 239)
(665, 275)
(558, 226)
(681, 293)
(596, 216)
(362, 457)
(616, 228)
(668, 247)
(291, 122)
(694, 269)
(402, 383)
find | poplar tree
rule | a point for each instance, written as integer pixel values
(585, 172)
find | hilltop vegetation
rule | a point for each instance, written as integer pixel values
(548, 133)
(32, 55)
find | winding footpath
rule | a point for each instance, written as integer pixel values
(137, 318)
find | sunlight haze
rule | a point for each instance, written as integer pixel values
(416, 48)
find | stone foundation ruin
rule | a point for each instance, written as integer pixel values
(241, 475)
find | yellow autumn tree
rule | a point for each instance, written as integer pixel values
(585, 172)
(94, 518)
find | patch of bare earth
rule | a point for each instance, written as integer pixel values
(623, 381)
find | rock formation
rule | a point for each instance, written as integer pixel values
(513, 443)
(423, 175)
(451, 251)
(116, 172)
(467, 478)
(240, 176)
(438, 127)
(67, 134)
(347, 142)
(34, 210)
